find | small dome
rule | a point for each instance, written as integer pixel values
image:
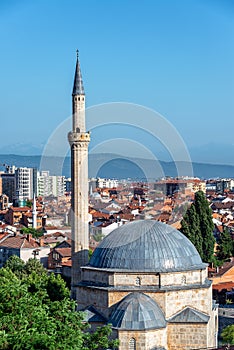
(137, 311)
(146, 245)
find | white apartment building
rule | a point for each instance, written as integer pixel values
(24, 180)
(50, 185)
(106, 183)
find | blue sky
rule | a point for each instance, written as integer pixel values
(174, 56)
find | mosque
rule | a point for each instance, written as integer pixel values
(145, 278)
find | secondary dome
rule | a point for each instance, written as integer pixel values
(137, 311)
(146, 245)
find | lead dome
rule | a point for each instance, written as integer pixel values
(146, 245)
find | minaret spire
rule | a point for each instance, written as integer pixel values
(79, 141)
(78, 99)
(78, 87)
(34, 213)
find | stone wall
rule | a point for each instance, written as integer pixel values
(144, 279)
(145, 340)
(183, 278)
(199, 299)
(97, 276)
(97, 298)
(187, 336)
(134, 279)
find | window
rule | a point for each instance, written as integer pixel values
(138, 281)
(132, 344)
(183, 279)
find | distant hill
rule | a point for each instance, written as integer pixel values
(114, 166)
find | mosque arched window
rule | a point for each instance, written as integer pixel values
(138, 281)
(132, 344)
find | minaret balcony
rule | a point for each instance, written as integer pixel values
(76, 137)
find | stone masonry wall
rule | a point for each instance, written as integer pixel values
(144, 340)
(130, 279)
(97, 276)
(199, 299)
(186, 336)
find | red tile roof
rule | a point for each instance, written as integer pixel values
(19, 242)
(67, 263)
(64, 252)
(20, 209)
(223, 285)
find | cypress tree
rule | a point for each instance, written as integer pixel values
(190, 228)
(198, 226)
(225, 246)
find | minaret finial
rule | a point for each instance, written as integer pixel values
(77, 53)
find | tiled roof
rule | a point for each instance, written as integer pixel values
(224, 285)
(189, 315)
(146, 245)
(226, 267)
(20, 209)
(67, 263)
(19, 242)
(64, 252)
(92, 315)
(137, 311)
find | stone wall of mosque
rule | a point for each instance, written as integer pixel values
(97, 276)
(136, 279)
(170, 300)
(143, 340)
(143, 278)
(187, 336)
(183, 278)
(199, 299)
(96, 297)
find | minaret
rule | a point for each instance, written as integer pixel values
(34, 213)
(79, 141)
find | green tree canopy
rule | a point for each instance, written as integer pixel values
(36, 312)
(198, 226)
(32, 231)
(225, 246)
(228, 334)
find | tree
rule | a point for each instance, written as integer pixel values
(16, 265)
(225, 246)
(34, 265)
(228, 334)
(37, 313)
(29, 203)
(32, 231)
(190, 228)
(198, 226)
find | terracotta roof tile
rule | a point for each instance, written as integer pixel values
(19, 242)
(64, 252)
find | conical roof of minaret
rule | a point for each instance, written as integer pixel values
(78, 87)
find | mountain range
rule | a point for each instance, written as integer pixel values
(108, 165)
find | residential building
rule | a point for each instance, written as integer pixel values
(50, 185)
(106, 183)
(59, 255)
(25, 184)
(171, 186)
(8, 185)
(25, 247)
(4, 202)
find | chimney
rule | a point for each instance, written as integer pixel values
(29, 237)
(41, 242)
